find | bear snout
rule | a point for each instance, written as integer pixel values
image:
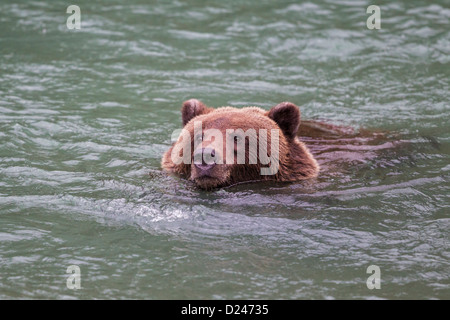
(208, 171)
(204, 160)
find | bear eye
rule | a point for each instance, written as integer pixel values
(198, 138)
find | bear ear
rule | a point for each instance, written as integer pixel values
(287, 116)
(192, 108)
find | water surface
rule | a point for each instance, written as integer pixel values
(85, 116)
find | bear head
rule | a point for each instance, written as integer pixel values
(225, 146)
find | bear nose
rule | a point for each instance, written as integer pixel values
(203, 165)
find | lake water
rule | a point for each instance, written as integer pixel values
(85, 116)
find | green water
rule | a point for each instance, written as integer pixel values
(85, 116)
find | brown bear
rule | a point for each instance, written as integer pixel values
(225, 146)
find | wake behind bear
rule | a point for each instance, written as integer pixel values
(225, 146)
